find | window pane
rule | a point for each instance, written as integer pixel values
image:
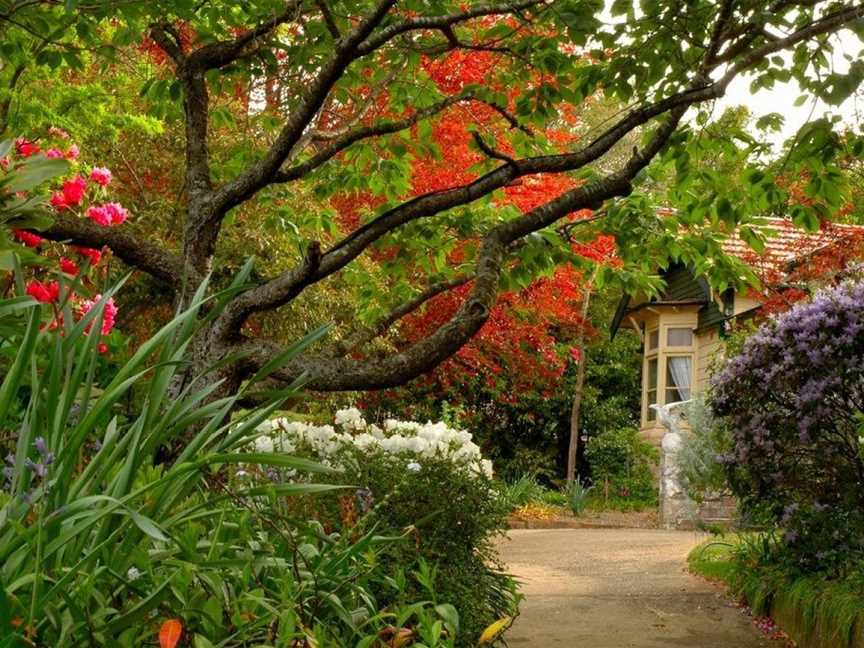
(652, 374)
(678, 378)
(653, 339)
(679, 337)
(651, 389)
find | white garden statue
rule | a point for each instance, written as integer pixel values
(674, 502)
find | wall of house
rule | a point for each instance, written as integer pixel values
(709, 347)
(744, 303)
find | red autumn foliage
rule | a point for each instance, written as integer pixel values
(521, 341)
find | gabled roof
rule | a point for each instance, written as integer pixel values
(786, 245)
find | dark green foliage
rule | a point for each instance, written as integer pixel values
(621, 469)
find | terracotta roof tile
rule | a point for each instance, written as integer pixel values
(786, 243)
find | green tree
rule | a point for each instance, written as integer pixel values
(339, 96)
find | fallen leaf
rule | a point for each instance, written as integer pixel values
(170, 633)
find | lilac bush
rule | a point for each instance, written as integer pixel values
(794, 399)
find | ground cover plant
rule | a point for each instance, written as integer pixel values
(809, 607)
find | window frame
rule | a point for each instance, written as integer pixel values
(661, 353)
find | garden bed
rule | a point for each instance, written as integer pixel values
(647, 519)
(814, 612)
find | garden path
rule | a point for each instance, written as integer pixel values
(618, 588)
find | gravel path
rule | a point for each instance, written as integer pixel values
(618, 588)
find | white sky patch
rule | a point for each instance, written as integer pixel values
(781, 98)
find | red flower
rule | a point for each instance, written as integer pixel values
(94, 255)
(103, 348)
(25, 147)
(73, 152)
(27, 238)
(73, 190)
(44, 293)
(101, 176)
(68, 266)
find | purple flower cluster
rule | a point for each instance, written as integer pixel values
(794, 399)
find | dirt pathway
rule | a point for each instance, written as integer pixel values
(618, 588)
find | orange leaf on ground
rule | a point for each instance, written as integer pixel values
(169, 633)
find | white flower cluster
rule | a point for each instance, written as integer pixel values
(411, 440)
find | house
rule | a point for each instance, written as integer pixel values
(683, 328)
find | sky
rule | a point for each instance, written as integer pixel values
(781, 98)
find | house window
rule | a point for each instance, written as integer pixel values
(679, 376)
(653, 339)
(679, 337)
(651, 389)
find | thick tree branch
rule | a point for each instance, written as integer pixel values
(267, 296)
(261, 173)
(445, 22)
(342, 374)
(220, 54)
(139, 253)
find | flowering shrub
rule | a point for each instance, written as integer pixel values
(794, 400)
(425, 482)
(26, 169)
(407, 439)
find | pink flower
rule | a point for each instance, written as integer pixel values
(99, 215)
(109, 313)
(53, 154)
(58, 201)
(73, 190)
(117, 212)
(94, 255)
(25, 147)
(101, 176)
(54, 131)
(27, 238)
(68, 266)
(73, 152)
(44, 293)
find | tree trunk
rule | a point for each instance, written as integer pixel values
(575, 412)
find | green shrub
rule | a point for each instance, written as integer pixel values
(621, 469)
(523, 491)
(428, 485)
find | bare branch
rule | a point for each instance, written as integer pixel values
(261, 173)
(332, 27)
(445, 22)
(340, 143)
(267, 296)
(354, 342)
